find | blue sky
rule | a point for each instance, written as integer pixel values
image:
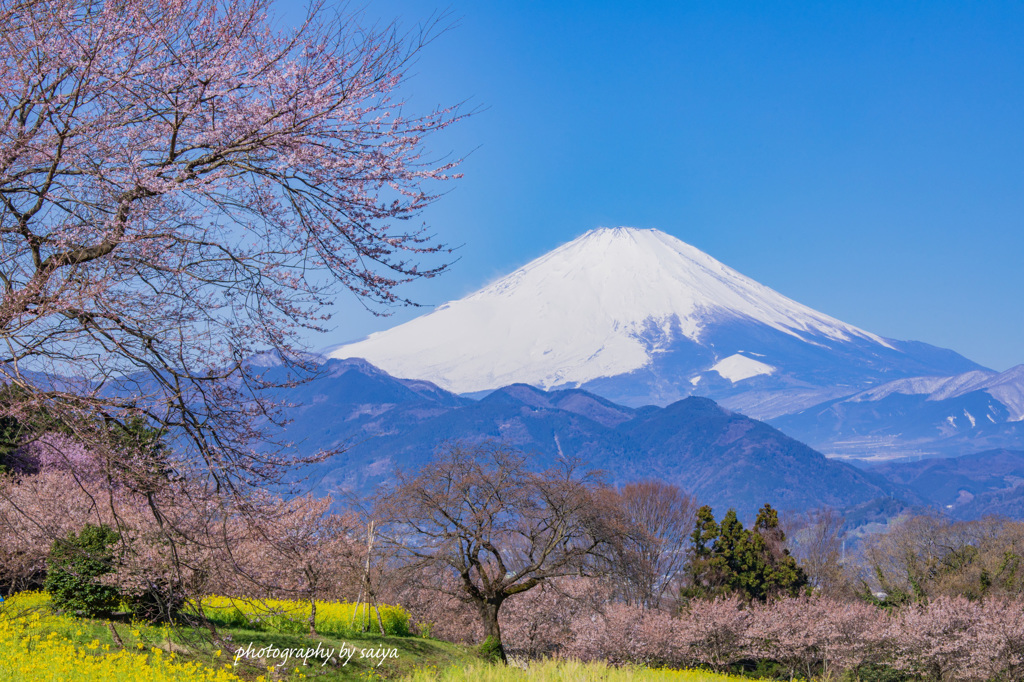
(865, 159)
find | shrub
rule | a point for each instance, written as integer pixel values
(628, 635)
(76, 566)
(490, 649)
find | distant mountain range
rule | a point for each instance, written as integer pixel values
(724, 458)
(641, 318)
(641, 355)
(967, 487)
(923, 416)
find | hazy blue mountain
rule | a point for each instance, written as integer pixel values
(725, 458)
(970, 486)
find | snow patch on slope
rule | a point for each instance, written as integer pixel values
(737, 368)
(1008, 388)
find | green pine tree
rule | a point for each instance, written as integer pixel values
(729, 558)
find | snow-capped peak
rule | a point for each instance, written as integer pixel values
(1006, 387)
(598, 306)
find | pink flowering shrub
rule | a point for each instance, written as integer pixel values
(628, 634)
(541, 621)
(933, 640)
(709, 632)
(952, 638)
(716, 631)
(998, 640)
(811, 637)
(808, 635)
(55, 452)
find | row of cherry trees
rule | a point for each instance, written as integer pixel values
(946, 638)
(928, 599)
(942, 639)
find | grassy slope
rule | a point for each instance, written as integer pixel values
(195, 645)
(419, 660)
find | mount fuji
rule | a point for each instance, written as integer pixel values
(640, 317)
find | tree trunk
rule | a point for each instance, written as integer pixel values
(380, 621)
(312, 614)
(492, 631)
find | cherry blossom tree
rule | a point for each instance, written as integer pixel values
(716, 630)
(622, 634)
(541, 622)
(184, 185)
(934, 640)
(296, 549)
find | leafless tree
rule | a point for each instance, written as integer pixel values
(661, 519)
(502, 528)
(926, 556)
(817, 541)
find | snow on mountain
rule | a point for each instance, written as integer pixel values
(936, 388)
(603, 305)
(920, 416)
(738, 367)
(1006, 387)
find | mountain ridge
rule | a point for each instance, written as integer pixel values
(723, 457)
(924, 416)
(380, 424)
(640, 317)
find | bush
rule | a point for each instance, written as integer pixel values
(75, 568)
(874, 672)
(490, 649)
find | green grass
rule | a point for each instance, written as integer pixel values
(560, 671)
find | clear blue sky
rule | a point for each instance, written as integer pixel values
(865, 159)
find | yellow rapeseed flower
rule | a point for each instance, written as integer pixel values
(28, 656)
